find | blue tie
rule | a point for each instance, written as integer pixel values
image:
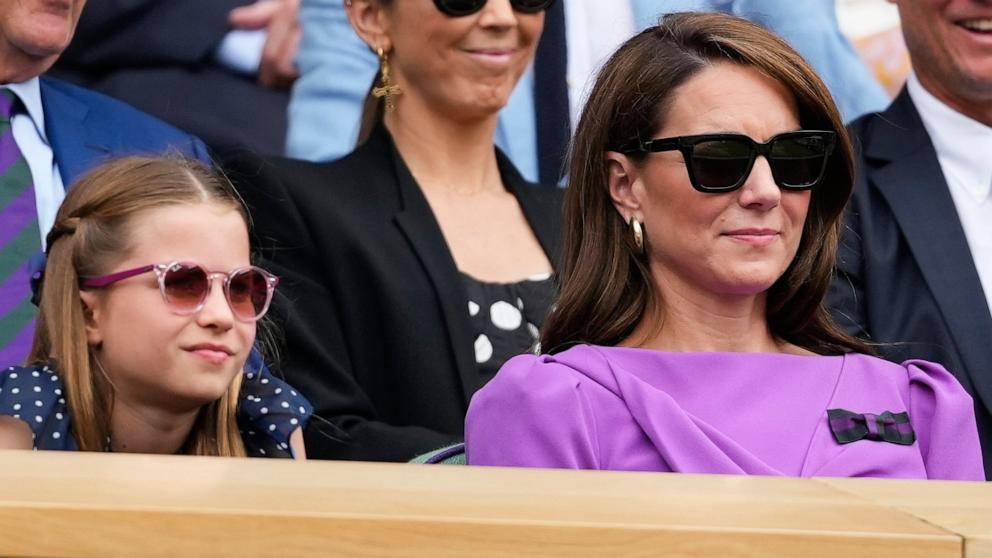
(20, 239)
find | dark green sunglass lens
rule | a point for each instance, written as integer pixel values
(720, 164)
(798, 162)
(460, 7)
(530, 6)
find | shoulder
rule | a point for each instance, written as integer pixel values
(859, 127)
(929, 376)
(919, 376)
(34, 395)
(357, 180)
(542, 379)
(272, 174)
(536, 412)
(872, 365)
(15, 380)
(129, 127)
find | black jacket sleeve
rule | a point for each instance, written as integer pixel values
(112, 34)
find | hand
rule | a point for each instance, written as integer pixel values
(280, 19)
(296, 442)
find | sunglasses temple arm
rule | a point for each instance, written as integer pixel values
(105, 280)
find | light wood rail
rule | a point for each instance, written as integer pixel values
(964, 508)
(62, 504)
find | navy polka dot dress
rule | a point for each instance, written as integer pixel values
(506, 318)
(268, 413)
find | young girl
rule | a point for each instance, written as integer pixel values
(147, 321)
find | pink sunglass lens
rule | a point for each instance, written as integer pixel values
(248, 291)
(185, 287)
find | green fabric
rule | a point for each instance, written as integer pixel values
(457, 458)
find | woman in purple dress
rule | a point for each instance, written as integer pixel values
(709, 173)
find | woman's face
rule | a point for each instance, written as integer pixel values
(727, 244)
(465, 67)
(156, 358)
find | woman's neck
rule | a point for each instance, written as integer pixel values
(689, 319)
(443, 154)
(138, 428)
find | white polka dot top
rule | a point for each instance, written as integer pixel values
(506, 318)
(269, 410)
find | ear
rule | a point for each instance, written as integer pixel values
(92, 312)
(623, 178)
(370, 21)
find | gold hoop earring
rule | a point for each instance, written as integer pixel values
(638, 230)
(386, 88)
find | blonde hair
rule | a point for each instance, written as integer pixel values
(91, 232)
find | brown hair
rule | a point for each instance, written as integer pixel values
(90, 234)
(605, 286)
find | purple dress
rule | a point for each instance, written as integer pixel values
(616, 408)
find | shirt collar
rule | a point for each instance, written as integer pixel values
(963, 144)
(29, 92)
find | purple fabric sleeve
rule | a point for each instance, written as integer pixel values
(533, 414)
(943, 416)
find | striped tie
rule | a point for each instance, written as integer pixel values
(19, 240)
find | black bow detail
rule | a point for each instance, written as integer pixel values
(890, 427)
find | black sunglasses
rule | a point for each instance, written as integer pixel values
(458, 8)
(720, 163)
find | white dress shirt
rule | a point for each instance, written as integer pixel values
(29, 133)
(593, 31)
(964, 150)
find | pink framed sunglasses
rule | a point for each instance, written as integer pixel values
(185, 287)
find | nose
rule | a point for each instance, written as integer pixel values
(216, 312)
(498, 14)
(759, 190)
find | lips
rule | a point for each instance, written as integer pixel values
(57, 6)
(979, 25)
(753, 236)
(497, 56)
(752, 232)
(212, 353)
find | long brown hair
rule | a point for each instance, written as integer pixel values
(90, 234)
(605, 286)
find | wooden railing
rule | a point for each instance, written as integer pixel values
(56, 504)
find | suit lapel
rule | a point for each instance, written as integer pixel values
(416, 220)
(76, 143)
(903, 166)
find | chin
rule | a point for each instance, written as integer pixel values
(749, 284)
(47, 42)
(199, 395)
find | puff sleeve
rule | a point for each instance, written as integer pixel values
(532, 414)
(269, 412)
(943, 417)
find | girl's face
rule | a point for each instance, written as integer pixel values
(152, 356)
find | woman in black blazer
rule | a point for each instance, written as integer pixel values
(409, 266)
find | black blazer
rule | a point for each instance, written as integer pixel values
(905, 273)
(375, 318)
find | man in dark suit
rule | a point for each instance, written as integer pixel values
(915, 264)
(219, 69)
(52, 132)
